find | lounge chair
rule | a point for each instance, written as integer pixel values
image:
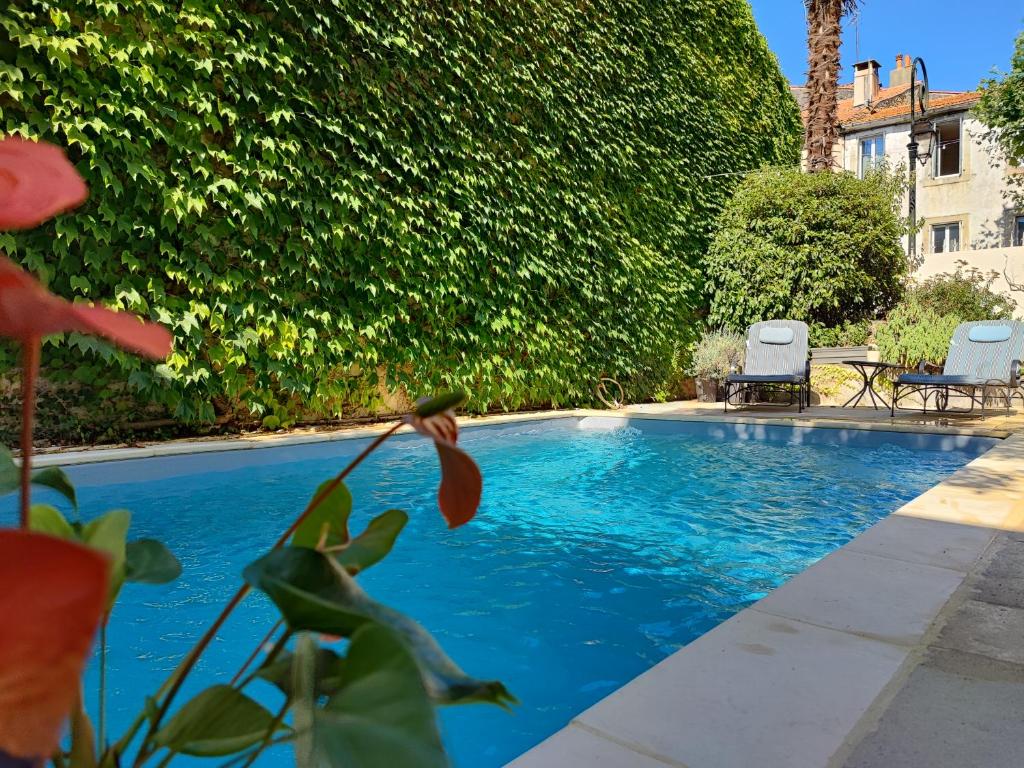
(776, 361)
(984, 355)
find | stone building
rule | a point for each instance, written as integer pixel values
(962, 189)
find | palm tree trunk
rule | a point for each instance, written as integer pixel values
(824, 33)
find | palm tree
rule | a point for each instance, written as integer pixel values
(824, 29)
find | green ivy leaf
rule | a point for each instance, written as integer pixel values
(148, 561)
(219, 721)
(316, 594)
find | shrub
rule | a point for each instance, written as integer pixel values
(717, 354)
(324, 200)
(849, 334)
(823, 248)
(922, 325)
(966, 293)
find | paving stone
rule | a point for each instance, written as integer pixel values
(1007, 557)
(574, 746)
(1000, 590)
(956, 710)
(995, 631)
(757, 691)
(877, 597)
(929, 542)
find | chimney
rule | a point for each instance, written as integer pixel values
(901, 75)
(865, 82)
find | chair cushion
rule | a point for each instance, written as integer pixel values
(941, 380)
(763, 378)
(771, 335)
(989, 334)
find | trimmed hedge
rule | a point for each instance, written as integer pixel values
(506, 197)
(822, 247)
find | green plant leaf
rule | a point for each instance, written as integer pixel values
(443, 402)
(219, 721)
(303, 676)
(383, 716)
(50, 477)
(373, 544)
(108, 533)
(329, 671)
(331, 514)
(43, 518)
(55, 478)
(150, 562)
(315, 593)
(10, 473)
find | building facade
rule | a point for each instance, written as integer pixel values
(963, 199)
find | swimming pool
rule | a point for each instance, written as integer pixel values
(601, 547)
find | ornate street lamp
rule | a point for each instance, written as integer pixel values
(922, 139)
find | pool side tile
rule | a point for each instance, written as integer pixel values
(757, 691)
(890, 600)
(579, 746)
(927, 542)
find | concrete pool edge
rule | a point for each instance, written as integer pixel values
(254, 442)
(799, 678)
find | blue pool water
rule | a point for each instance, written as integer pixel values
(596, 553)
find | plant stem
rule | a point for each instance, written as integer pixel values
(256, 651)
(102, 714)
(30, 351)
(172, 684)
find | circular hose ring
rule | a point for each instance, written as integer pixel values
(605, 396)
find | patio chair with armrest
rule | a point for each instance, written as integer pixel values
(984, 356)
(776, 361)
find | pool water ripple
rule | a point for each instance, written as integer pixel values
(596, 553)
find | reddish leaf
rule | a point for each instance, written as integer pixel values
(37, 182)
(53, 595)
(29, 311)
(461, 483)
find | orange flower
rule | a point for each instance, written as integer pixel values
(36, 182)
(54, 593)
(28, 311)
(461, 484)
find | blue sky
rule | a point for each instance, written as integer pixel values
(960, 40)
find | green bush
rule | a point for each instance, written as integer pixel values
(966, 293)
(849, 334)
(717, 354)
(823, 248)
(922, 325)
(914, 332)
(326, 199)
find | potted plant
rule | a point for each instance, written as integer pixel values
(716, 355)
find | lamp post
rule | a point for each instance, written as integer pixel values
(913, 150)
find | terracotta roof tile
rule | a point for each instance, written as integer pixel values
(848, 115)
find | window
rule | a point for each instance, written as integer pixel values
(947, 149)
(872, 152)
(1018, 231)
(946, 237)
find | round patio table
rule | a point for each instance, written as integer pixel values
(869, 372)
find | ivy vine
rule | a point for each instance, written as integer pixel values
(324, 200)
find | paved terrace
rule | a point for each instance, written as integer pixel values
(902, 649)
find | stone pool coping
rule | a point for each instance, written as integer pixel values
(842, 419)
(801, 677)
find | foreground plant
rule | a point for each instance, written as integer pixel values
(373, 705)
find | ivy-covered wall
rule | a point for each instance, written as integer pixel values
(505, 196)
